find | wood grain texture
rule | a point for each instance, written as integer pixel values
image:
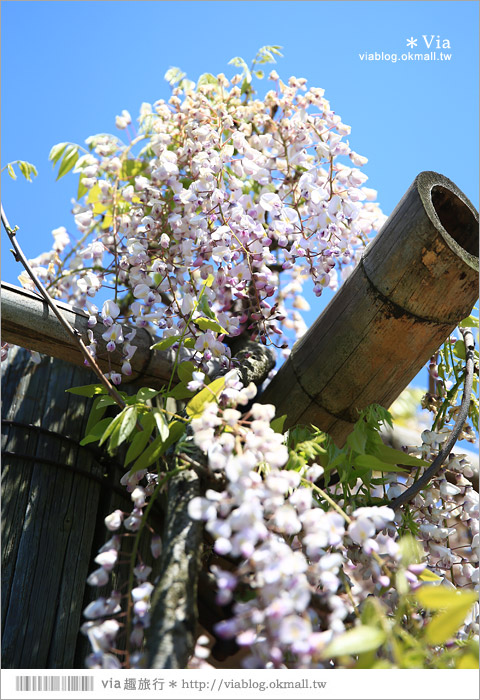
(48, 514)
(28, 322)
(415, 282)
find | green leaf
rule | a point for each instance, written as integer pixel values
(468, 660)
(209, 281)
(442, 598)
(356, 641)
(69, 159)
(162, 426)
(459, 350)
(131, 168)
(96, 414)
(185, 371)
(96, 432)
(278, 423)
(428, 576)
(209, 324)
(411, 550)
(56, 152)
(204, 307)
(11, 171)
(259, 74)
(87, 390)
(82, 190)
(27, 169)
(127, 424)
(211, 392)
(469, 322)
(146, 394)
(175, 431)
(392, 456)
(150, 455)
(371, 462)
(166, 342)
(445, 624)
(357, 439)
(141, 438)
(113, 425)
(181, 392)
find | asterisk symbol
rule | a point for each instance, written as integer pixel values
(411, 42)
(173, 684)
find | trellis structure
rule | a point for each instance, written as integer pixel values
(414, 284)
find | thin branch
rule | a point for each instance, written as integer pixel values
(433, 469)
(73, 332)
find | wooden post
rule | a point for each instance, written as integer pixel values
(415, 282)
(55, 496)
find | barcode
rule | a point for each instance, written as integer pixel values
(53, 683)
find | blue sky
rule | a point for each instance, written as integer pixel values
(70, 67)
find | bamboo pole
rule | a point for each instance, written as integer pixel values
(415, 282)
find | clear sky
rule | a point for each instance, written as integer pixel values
(69, 67)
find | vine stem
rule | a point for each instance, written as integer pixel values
(73, 332)
(133, 556)
(433, 469)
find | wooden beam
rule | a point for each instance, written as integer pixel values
(415, 282)
(28, 322)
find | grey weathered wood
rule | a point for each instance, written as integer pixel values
(48, 514)
(55, 496)
(415, 282)
(27, 321)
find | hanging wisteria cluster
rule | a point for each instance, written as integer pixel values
(243, 189)
(205, 227)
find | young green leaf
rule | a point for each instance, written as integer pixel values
(113, 425)
(180, 392)
(69, 159)
(376, 465)
(166, 342)
(278, 423)
(175, 431)
(127, 424)
(469, 322)
(146, 394)
(209, 324)
(162, 426)
(56, 152)
(141, 438)
(96, 432)
(392, 456)
(210, 393)
(446, 623)
(185, 371)
(87, 390)
(148, 456)
(356, 641)
(442, 598)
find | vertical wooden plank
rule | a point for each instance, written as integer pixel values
(49, 513)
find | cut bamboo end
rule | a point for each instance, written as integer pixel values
(415, 282)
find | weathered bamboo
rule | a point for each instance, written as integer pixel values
(27, 321)
(415, 282)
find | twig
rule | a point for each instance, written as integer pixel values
(427, 476)
(73, 332)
